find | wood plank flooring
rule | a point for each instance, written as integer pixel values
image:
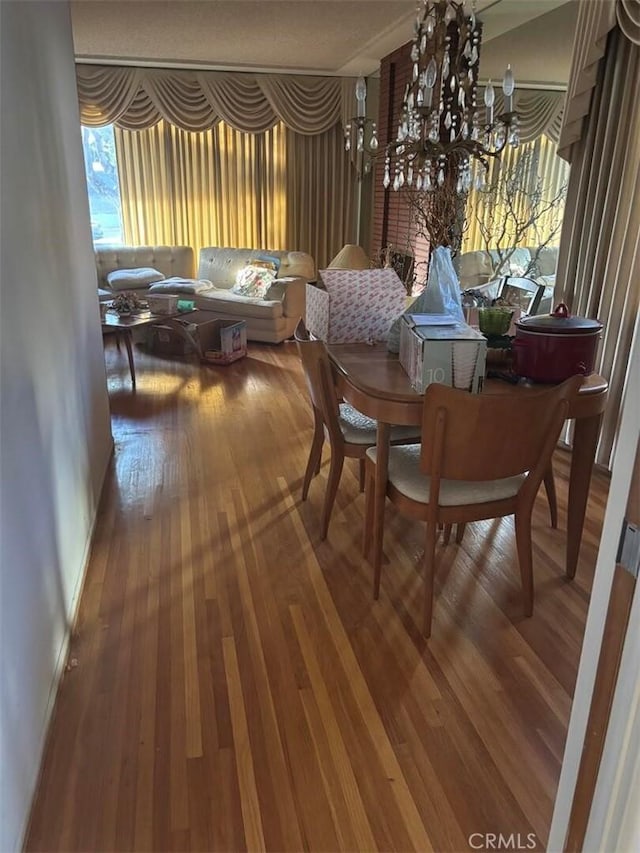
(235, 687)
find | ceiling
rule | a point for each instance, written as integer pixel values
(329, 37)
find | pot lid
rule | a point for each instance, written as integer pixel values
(560, 322)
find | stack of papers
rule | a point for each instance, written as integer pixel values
(432, 320)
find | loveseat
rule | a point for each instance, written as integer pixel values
(271, 319)
(480, 267)
(477, 267)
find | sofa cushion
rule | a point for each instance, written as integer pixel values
(226, 301)
(133, 279)
(177, 284)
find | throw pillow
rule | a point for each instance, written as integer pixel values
(189, 286)
(266, 260)
(253, 280)
(133, 279)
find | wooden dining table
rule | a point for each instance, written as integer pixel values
(373, 381)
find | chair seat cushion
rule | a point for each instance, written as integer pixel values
(406, 476)
(359, 429)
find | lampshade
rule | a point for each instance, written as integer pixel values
(350, 257)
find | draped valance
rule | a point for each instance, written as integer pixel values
(539, 111)
(596, 19)
(137, 98)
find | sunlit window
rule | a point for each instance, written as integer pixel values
(102, 184)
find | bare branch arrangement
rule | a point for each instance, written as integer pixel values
(438, 216)
(514, 210)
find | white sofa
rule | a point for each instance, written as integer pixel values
(271, 320)
(169, 260)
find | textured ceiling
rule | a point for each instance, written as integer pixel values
(313, 36)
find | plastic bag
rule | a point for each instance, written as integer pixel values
(440, 296)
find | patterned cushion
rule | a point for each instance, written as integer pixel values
(253, 280)
(359, 429)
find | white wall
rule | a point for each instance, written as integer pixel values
(55, 438)
(539, 52)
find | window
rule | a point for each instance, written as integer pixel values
(523, 201)
(102, 184)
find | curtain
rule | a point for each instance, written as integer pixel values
(598, 269)
(272, 190)
(539, 112)
(138, 98)
(533, 159)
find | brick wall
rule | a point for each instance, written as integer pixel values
(391, 216)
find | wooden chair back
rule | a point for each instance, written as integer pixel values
(319, 378)
(489, 436)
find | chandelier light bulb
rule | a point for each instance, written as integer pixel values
(508, 86)
(489, 100)
(489, 95)
(361, 96)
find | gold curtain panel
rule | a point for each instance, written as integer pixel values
(138, 98)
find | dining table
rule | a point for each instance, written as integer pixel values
(374, 381)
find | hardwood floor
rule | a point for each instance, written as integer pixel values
(232, 685)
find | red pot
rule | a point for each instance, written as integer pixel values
(553, 347)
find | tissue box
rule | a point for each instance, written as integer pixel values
(452, 355)
(354, 306)
(162, 304)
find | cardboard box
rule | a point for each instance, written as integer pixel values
(167, 340)
(215, 341)
(452, 355)
(354, 306)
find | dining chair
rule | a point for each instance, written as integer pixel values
(482, 456)
(348, 432)
(523, 292)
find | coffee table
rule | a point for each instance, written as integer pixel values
(125, 324)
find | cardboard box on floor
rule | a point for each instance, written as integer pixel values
(215, 341)
(354, 306)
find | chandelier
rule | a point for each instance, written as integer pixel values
(441, 138)
(361, 132)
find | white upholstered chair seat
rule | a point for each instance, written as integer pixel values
(359, 429)
(405, 475)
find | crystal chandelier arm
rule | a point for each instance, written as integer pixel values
(439, 130)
